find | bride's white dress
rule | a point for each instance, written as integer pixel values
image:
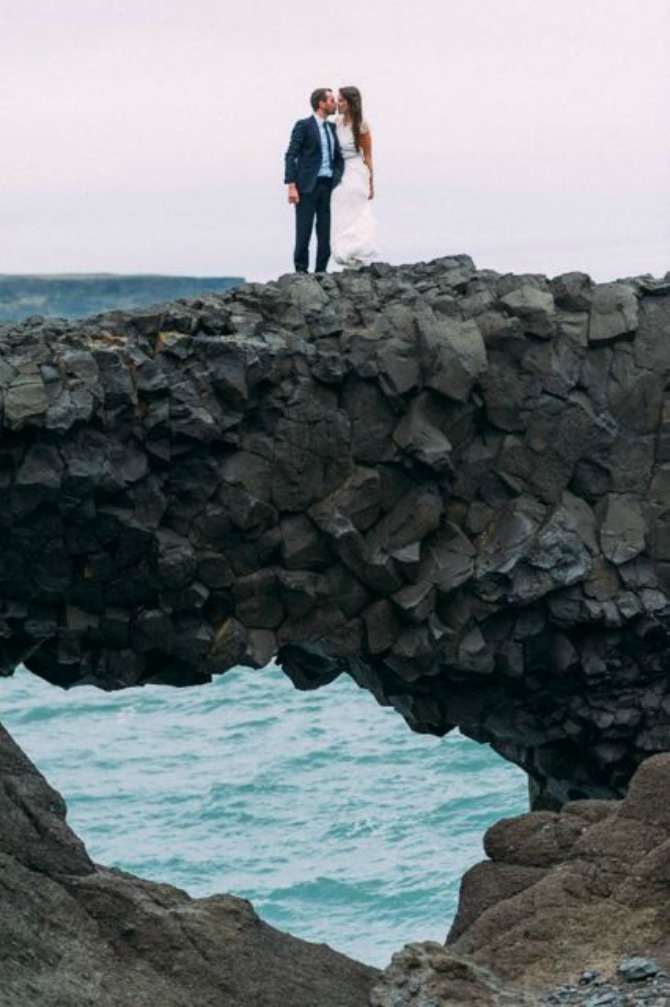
(353, 232)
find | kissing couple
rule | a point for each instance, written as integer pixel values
(329, 177)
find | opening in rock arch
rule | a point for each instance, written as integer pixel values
(322, 808)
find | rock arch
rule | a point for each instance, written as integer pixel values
(450, 484)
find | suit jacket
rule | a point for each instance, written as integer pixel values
(303, 156)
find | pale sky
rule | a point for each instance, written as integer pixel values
(149, 135)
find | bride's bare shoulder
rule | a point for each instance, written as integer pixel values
(365, 126)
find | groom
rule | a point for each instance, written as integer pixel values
(314, 166)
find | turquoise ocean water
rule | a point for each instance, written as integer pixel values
(324, 809)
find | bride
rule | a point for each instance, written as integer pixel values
(353, 229)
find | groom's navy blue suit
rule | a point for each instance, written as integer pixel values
(304, 158)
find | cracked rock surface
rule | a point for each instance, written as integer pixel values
(451, 484)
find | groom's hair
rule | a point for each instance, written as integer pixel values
(318, 96)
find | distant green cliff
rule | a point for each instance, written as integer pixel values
(75, 296)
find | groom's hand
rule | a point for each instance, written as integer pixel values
(293, 196)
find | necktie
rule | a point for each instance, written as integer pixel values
(329, 141)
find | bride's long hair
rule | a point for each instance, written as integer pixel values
(355, 111)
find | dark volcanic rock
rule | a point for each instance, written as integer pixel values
(453, 485)
(74, 934)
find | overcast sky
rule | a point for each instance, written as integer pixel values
(148, 135)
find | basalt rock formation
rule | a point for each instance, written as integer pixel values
(450, 484)
(74, 934)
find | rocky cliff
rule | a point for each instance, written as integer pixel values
(450, 484)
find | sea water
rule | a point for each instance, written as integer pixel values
(322, 808)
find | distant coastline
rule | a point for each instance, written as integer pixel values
(78, 295)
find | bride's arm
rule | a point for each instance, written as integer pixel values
(366, 151)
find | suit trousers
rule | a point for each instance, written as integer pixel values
(313, 205)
